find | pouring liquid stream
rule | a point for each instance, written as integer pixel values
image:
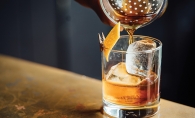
(132, 23)
(130, 29)
(130, 32)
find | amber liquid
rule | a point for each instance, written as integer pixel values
(143, 94)
(132, 23)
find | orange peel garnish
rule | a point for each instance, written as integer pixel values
(111, 40)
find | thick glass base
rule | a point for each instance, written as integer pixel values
(117, 111)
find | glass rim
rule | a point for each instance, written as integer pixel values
(144, 51)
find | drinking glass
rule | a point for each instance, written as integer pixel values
(131, 77)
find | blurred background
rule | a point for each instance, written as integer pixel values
(64, 34)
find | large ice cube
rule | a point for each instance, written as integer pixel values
(119, 75)
(139, 63)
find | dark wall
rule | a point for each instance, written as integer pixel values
(63, 34)
(85, 51)
(27, 30)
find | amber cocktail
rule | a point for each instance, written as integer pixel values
(131, 77)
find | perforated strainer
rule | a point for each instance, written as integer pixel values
(137, 13)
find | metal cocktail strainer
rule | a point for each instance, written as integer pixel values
(137, 12)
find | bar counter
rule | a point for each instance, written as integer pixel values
(32, 90)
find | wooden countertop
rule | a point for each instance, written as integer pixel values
(31, 90)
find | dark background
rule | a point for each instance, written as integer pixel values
(63, 34)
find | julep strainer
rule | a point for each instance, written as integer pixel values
(133, 14)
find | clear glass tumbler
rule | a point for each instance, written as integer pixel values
(131, 78)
